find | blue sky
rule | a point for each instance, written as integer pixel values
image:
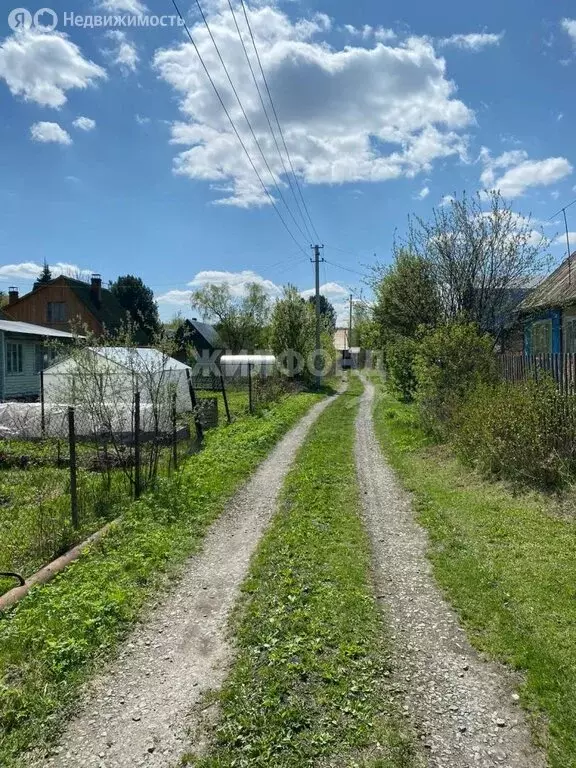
(116, 157)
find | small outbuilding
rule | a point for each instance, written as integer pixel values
(115, 374)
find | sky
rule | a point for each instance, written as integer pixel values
(117, 157)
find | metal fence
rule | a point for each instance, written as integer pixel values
(56, 491)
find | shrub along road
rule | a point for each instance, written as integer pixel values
(506, 559)
(463, 707)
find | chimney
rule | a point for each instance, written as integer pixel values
(96, 289)
(12, 294)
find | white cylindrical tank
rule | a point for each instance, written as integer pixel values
(238, 366)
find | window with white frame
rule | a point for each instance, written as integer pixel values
(542, 337)
(13, 358)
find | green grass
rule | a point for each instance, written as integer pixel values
(52, 641)
(308, 686)
(507, 562)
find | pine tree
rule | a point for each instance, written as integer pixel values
(45, 276)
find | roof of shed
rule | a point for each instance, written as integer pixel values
(208, 332)
(133, 359)
(15, 326)
(557, 290)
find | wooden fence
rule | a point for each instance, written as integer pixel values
(561, 367)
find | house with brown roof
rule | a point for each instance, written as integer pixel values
(65, 303)
(547, 316)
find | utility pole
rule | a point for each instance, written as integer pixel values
(350, 324)
(316, 261)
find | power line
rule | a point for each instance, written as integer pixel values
(565, 208)
(216, 91)
(568, 253)
(249, 124)
(269, 121)
(318, 238)
(347, 269)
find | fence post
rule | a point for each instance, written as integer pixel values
(72, 453)
(42, 411)
(197, 422)
(250, 404)
(174, 434)
(137, 460)
(225, 396)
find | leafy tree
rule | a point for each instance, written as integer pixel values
(292, 327)
(45, 275)
(3, 299)
(364, 328)
(138, 300)
(241, 322)
(326, 310)
(480, 255)
(407, 296)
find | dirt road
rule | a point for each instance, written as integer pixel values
(463, 708)
(138, 711)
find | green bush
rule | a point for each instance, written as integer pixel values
(400, 353)
(521, 432)
(449, 362)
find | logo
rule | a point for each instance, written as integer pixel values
(46, 18)
(21, 18)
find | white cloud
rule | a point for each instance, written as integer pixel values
(49, 133)
(561, 240)
(134, 7)
(474, 42)
(84, 123)
(330, 290)
(381, 34)
(446, 200)
(124, 53)
(28, 271)
(384, 35)
(424, 192)
(176, 297)
(141, 120)
(560, 116)
(42, 66)
(357, 114)
(237, 281)
(569, 26)
(521, 173)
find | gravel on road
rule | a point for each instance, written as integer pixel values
(464, 709)
(138, 712)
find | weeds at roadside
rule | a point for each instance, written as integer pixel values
(52, 641)
(507, 562)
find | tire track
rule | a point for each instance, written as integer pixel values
(138, 712)
(463, 708)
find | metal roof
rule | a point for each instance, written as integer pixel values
(148, 357)
(557, 290)
(15, 326)
(133, 359)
